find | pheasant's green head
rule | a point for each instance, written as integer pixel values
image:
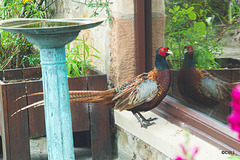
(188, 57)
(161, 55)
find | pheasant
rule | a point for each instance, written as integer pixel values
(200, 86)
(142, 93)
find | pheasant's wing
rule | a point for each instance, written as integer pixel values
(138, 91)
(214, 88)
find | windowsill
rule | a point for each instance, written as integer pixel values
(165, 136)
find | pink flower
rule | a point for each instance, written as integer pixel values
(186, 153)
(235, 105)
(234, 118)
(236, 94)
(183, 149)
(194, 152)
(179, 158)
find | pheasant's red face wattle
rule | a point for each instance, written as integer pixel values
(163, 51)
(190, 50)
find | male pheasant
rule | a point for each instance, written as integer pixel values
(142, 93)
(198, 86)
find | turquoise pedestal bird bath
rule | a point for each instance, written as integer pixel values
(51, 36)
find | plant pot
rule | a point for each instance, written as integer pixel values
(16, 130)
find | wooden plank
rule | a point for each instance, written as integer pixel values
(148, 35)
(139, 10)
(235, 73)
(18, 124)
(13, 74)
(1, 75)
(100, 123)
(223, 74)
(29, 73)
(36, 115)
(79, 111)
(1, 151)
(4, 122)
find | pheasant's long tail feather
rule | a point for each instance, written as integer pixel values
(76, 96)
(33, 94)
(36, 104)
(91, 96)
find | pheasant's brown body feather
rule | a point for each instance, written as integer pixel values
(121, 96)
(163, 79)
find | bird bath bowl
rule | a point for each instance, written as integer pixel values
(49, 33)
(51, 36)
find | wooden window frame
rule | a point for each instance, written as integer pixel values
(143, 35)
(206, 128)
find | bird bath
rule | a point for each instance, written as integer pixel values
(51, 36)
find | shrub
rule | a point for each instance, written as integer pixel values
(15, 50)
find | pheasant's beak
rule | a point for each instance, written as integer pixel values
(169, 52)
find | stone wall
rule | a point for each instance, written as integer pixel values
(131, 147)
(122, 42)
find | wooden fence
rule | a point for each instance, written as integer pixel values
(16, 130)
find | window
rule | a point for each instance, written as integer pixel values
(209, 124)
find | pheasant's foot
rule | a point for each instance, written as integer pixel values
(145, 124)
(143, 121)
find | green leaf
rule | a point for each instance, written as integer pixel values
(93, 55)
(200, 26)
(176, 8)
(171, 10)
(192, 16)
(234, 158)
(69, 68)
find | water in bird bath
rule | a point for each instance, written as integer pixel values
(47, 24)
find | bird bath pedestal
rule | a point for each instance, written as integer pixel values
(51, 36)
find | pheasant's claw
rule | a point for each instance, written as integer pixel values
(145, 124)
(143, 121)
(150, 119)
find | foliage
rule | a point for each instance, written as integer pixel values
(188, 27)
(15, 50)
(98, 6)
(79, 58)
(234, 11)
(12, 47)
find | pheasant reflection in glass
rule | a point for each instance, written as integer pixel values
(200, 86)
(142, 93)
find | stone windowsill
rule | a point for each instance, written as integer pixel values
(165, 136)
